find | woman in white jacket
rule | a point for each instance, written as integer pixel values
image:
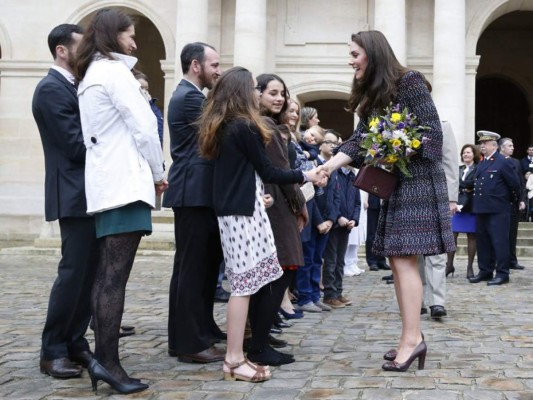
(124, 171)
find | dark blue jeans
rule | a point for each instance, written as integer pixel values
(308, 276)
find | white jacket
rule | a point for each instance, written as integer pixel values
(124, 156)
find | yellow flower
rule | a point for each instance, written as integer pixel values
(396, 117)
(374, 122)
(379, 138)
(372, 152)
(415, 143)
(391, 158)
(396, 142)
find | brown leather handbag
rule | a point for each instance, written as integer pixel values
(376, 181)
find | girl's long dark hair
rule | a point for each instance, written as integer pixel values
(101, 36)
(232, 97)
(378, 86)
(263, 81)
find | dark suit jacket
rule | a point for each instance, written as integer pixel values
(190, 176)
(522, 196)
(56, 112)
(524, 165)
(496, 185)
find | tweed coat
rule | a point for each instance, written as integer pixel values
(416, 218)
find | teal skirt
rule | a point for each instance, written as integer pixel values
(133, 217)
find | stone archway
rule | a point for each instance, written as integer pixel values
(504, 94)
(329, 98)
(151, 50)
(502, 107)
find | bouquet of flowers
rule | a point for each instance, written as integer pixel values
(393, 138)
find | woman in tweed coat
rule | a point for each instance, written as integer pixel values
(416, 219)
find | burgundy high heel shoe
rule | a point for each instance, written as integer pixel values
(392, 353)
(419, 352)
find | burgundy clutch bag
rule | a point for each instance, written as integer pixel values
(376, 181)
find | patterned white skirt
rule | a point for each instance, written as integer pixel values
(249, 249)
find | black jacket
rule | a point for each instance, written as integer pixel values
(242, 153)
(190, 176)
(56, 112)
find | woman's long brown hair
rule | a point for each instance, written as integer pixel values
(378, 86)
(101, 37)
(232, 97)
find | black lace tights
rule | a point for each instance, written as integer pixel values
(117, 253)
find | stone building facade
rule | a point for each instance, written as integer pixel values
(476, 54)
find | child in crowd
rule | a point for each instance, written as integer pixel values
(323, 211)
(347, 219)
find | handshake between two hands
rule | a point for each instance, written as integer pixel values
(319, 176)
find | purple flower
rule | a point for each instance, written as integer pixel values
(401, 125)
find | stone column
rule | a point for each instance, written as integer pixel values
(191, 26)
(449, 71)
(389, 18)
(249, 48)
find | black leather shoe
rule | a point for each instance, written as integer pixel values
(126, 330)
(209, 355)
(479, 277)
(60, 368)
(282, 324)
(276, 343)
(385, 267)
(516, 266)
(438, 311)
(221, 296)
(276, 331)
(269, 356)
(423, 310)
(373, 267)
(83, 358)
(387, 278)
(497, 281)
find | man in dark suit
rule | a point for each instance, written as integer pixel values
(507, 150)
(526, 163)
(192, 330)
(496, 185)
(56, 112)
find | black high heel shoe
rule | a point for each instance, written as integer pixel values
(450, 269)
(419, 352)
(99, 373)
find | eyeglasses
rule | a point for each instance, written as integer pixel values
(258, 87)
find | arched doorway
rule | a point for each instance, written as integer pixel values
(150, 52)
(333, 116)
(503, 92)
(502, 107)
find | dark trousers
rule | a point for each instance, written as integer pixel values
(308, 275)
(372, 217)
(493, 243)
(513, 234)
(333, 270)
(69, 306)
(264, 305)
(191, 326)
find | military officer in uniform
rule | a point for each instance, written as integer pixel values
(496, 185)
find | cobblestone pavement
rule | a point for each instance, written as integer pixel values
(482, 350)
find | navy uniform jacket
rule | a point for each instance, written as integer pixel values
(190, 177)
(56, 112)
(496, 185)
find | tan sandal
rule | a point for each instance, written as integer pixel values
(261, 373)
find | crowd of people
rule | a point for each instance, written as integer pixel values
(257, 187)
